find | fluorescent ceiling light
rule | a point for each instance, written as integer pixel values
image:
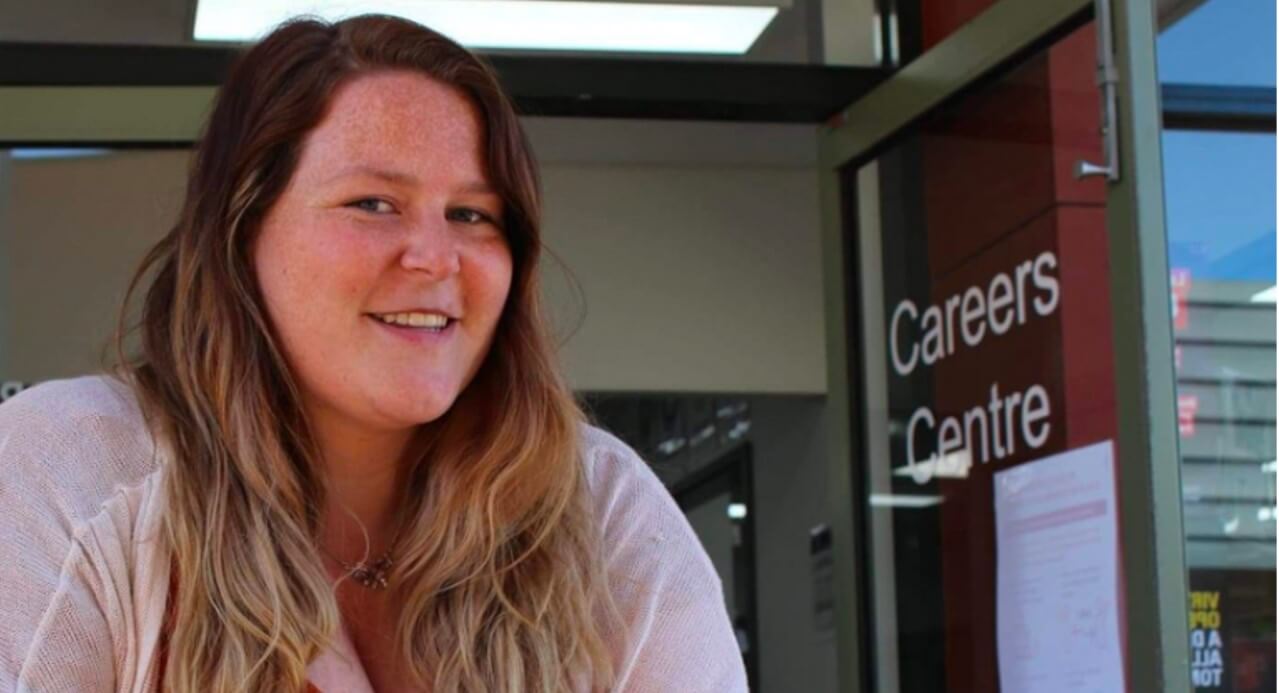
(567, 25)
(1266, 295)
(737, 511)
(898, 500)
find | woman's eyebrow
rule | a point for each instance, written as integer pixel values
(390, 175)
(479, 187)
(402, 178)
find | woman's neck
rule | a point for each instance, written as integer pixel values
(362, 472)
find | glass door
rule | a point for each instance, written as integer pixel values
(1007, 339)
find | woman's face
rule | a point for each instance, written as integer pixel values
(388, 217)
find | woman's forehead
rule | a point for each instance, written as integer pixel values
(400, 120)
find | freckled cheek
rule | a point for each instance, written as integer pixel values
(491, 281)
(341, 264)
(295, 261)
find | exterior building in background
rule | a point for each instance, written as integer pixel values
(1219, 174)
(965, 376)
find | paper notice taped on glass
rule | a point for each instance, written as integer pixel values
(1058, 592)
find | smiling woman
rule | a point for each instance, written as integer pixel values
(342, 457)
(327, 263)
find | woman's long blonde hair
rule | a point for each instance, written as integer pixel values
(498, 584)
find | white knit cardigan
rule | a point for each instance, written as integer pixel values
(83, 581)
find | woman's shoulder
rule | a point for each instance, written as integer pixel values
(96, 394)
(638, 517)
(74, 442)
(661, 579)
(618, 476)
(75, 498)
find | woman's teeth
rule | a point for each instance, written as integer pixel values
(428, 320)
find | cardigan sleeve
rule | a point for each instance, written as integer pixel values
(71, 648)
(55, 634)
(676, 634)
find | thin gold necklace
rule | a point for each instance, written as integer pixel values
(370, 575)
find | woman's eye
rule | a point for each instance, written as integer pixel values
(372, 204)
(470, 216)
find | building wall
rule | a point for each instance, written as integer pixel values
(792, 492)
(71, 238)
(6, 166)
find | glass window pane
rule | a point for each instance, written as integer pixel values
(1220, 42)
(1220, 192)
(990, 461)
(1220, 200)
(941, 18)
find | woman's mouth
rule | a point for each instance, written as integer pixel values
(422, 327)
(429, 320)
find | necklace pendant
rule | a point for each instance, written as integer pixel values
(372, 576)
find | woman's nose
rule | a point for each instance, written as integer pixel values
(431, 247)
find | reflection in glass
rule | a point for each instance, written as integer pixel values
(1220, 192)
(1218, 42)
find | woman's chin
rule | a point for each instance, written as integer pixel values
(419, 410)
